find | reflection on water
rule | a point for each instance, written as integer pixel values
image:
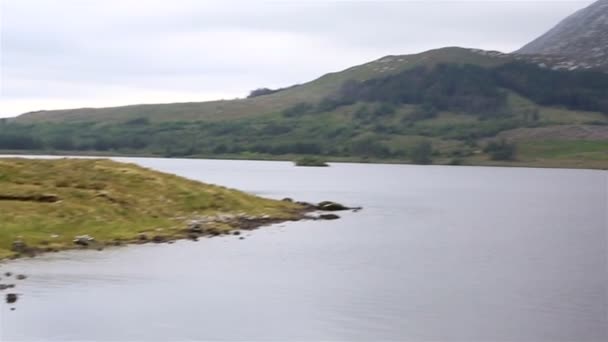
(438, 253)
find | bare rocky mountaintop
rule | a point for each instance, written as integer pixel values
(581, 37)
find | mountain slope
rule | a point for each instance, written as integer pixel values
(446, 106)
(246, 108)
(583, 37)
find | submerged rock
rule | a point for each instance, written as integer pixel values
(21, 276)
(11, 298)
(329, 217)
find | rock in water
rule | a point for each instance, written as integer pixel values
(329, 217)
(11, 298)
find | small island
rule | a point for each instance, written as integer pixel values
(311, 162)
(52, 205)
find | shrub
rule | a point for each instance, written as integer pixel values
(500, 150)
(422, 153)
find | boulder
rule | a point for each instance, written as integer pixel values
(84, 240)
(19, 247)
(331, 206)
(158, 239)
(196, 227)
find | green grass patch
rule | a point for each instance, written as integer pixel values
(582, 149)
(109, 201)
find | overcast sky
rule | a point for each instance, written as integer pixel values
(94, 53)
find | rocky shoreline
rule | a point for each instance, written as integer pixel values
(195, 228)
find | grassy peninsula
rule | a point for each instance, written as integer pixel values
(45, 204)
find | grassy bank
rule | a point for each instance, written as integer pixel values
(543, 154)
(47, 203)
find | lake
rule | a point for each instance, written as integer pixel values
(437, 254)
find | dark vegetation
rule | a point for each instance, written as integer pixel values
(311, 161)
(478, 91)
(501, 150)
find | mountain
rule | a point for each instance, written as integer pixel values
(446, 106)
(275, 102)
(581, 37)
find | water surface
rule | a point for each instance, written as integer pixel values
(437, 254)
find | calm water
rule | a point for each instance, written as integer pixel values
(437, 254)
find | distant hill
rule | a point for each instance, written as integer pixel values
(274, 102)
(546, 105)
(444, 106)
(581, 37)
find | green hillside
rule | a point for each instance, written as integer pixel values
(446, 106)
(258, 106)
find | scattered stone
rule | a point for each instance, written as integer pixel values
(8, 274)
(11, 298)
(329, 217)
(19, 247)
(242, 238)
(6, 286)
(21, 276)
(12, 309)
(143, 237)
(287, 199)
(196, 227)
(158, 239)
(84, 240)
(193, 236)
(214, 232)
(236, 232)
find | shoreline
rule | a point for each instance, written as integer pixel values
(536, 164)
(194, 229)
